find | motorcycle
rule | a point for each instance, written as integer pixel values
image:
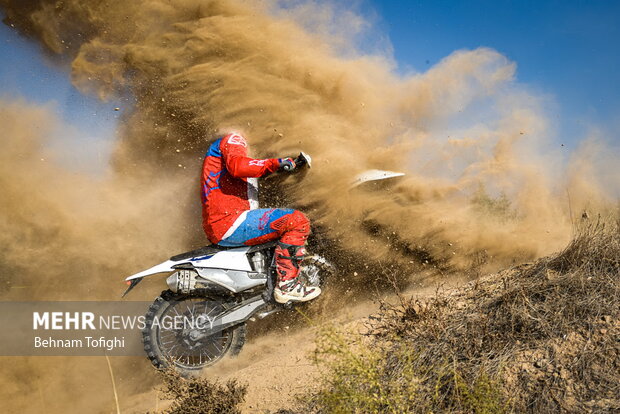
(213, 292)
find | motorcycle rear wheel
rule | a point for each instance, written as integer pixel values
(169, 347)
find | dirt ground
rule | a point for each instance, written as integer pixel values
(277, 364)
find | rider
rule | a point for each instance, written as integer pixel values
(231, 217)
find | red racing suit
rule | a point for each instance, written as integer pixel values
(230, 213)
(228, 184)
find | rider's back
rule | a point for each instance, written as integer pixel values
(228, 184)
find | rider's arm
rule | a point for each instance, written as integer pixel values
(235, 154)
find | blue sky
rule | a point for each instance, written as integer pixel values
(26, 73)
(567, 50)
(89, 125)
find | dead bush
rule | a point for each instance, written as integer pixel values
(538, 338)
(200, 395)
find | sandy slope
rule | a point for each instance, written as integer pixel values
(276, 365)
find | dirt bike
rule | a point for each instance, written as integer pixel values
(212, 292)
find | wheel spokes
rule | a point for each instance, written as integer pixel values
(179, 348)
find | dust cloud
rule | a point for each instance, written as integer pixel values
(485, 182)
(69, 236)
(66, 235)
(481, 181)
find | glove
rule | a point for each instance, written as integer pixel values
(286, 164)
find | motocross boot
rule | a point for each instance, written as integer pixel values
(289, 287)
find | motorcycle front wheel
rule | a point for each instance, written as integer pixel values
(168, 344)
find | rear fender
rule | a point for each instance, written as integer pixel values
(165, 267)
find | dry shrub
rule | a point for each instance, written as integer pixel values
(539, 338)
(389, 377)
(355, 379)
(201, 396)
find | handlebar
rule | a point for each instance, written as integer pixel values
(301, 160)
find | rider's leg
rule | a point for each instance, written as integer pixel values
(290, 251)
(254, 227)
(292, 228)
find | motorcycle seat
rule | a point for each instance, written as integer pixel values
(202, 251)
(215, 248)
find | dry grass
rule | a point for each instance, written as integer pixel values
(539, 338)
(200, 395)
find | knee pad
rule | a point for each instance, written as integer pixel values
(295, 221)
(299, 222)
(293, 228)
